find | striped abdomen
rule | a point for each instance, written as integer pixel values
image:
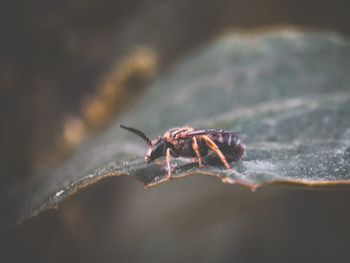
(229, 143)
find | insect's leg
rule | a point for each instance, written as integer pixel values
(196, 150)
(215, 149)
(166, 178)
(168, 162)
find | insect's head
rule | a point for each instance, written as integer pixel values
(155, 150)
(156, 147)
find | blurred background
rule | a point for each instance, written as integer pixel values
(69, 68)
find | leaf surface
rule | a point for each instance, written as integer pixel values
(287, 93)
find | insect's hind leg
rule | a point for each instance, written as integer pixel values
(212, 145)
(196, 150)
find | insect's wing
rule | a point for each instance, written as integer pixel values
(206, 132)
(200, 132)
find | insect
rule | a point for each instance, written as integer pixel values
(187, 141)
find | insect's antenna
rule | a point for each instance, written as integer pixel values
(138, 133)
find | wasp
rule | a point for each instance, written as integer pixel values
(189, 142)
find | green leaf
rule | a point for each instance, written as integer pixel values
(287, 93)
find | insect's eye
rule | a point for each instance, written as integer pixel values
(156, 150)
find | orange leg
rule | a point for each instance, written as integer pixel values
(196, 150)
(168, 162)
(215, 149)
(166, 178)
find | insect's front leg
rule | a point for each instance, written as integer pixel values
(168, 162)
(169, 168)
(196, 150)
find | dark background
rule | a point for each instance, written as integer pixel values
(54, 57)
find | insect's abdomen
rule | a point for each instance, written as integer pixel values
(230, 145)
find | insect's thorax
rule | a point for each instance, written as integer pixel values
(175, 132)
(183, 146)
